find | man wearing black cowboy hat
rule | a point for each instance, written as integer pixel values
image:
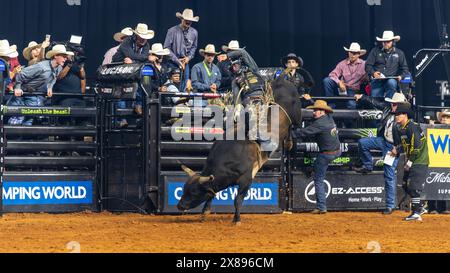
(295, 73)
(414, 144)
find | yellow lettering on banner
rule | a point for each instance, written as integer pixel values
(45, 111)
(182, 110)
(438, 141)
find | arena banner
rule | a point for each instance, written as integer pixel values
(47, 193)
(344, 191)
(263, 196)
(438, 141)
(437, 184)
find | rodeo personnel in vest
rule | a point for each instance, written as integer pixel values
(324, 132)
(414, 143)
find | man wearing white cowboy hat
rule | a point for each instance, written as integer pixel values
(182, 40)
(323, 131)
(224, 64)
(8, 51)
(9, 54)
(135, 48)
(348, 75)
(206, 75)
(385, 141)
(41, 78)
(162, 66)
(386, 66)
(444, 116)
(118, 37)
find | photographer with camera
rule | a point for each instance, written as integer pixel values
(72, 80)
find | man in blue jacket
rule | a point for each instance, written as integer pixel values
(206, 75)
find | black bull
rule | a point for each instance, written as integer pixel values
(236, 162)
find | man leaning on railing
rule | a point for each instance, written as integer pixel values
(38, 78)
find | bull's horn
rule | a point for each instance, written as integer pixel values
(205, 179)
(188, 171)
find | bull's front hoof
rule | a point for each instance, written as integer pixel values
(237, 223)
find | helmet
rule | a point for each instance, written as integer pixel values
(236, 66)
(173, 71)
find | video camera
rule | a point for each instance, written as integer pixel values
(74, 45)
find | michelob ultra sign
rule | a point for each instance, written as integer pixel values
(439, 147)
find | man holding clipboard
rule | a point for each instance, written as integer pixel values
(386, 66)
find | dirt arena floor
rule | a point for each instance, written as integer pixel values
(282, 233)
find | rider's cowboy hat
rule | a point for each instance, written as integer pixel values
(119, 36)
(8, 51)
(188, 15)
(388, 35)
(209, 49)
(355, 47)
(321, 105)
(58, 50)
(143, 31)
(292, 56)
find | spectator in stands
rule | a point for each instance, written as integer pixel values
(136, 49)
(118, 37)
(206, 76)
(386, 66)
(384, 142)
(172, 85)
(324, 131)
(108, 59)
(39, 78)
(162, 65)
(348, 76)
(295, 73)
(224, 65)
(10, 55)
(34, 52)
(444, 117)
(181, 40)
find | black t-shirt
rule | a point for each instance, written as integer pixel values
(71, 83)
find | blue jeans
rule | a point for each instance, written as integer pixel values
(24, 101)
(186, 77)
(390, 179)
(332, 90)
(320, 170)
(384, 88)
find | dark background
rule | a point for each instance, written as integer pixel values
(315, 29)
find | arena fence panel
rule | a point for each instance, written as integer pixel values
(51, 166)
